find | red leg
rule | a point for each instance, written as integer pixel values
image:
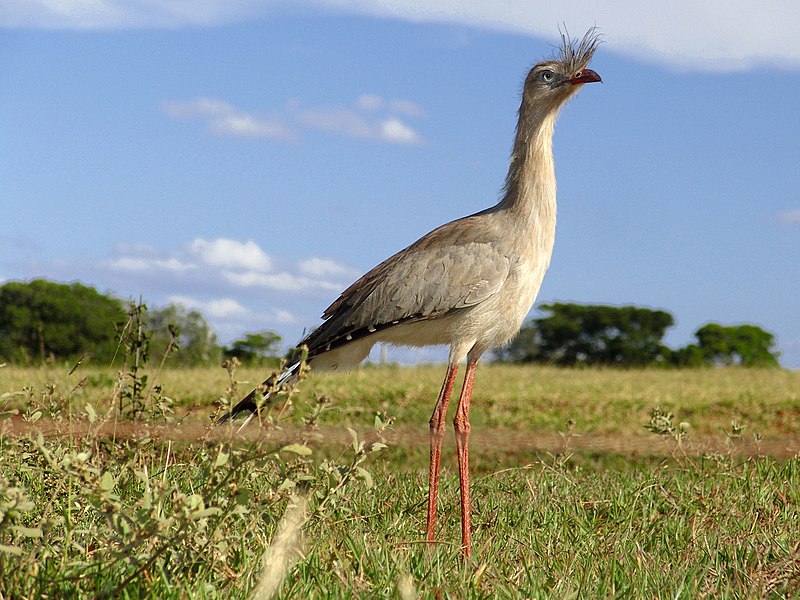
(462, 427)
(437, 435)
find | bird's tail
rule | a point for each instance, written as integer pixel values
(273, 382)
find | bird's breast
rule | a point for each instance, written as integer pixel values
(520, 294)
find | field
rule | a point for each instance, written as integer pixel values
(586, 483)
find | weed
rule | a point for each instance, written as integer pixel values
(662, 423)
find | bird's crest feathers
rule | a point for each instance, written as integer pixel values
(576, 54)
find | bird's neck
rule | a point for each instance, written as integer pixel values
(530, 187)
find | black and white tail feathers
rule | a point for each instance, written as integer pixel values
(276, 380)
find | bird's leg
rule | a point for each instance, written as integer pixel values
(462, 427)
(437, 436)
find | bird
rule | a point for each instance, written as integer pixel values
(468, 284)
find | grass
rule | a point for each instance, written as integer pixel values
(655, 531)
(538, 399)
(574, 496)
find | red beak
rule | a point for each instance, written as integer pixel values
(585, 76)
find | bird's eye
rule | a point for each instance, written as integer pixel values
(546, 76)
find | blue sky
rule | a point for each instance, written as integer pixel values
(251, 158)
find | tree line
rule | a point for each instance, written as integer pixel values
(44, 321)
(632, 336)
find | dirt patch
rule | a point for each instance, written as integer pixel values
(498, 440)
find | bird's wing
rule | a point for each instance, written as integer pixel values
(454, 267)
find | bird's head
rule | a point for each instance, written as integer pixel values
(551, 82)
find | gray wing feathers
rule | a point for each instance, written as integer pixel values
(455, 266)
(424, 282)
(436, 281)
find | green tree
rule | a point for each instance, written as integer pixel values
(192, 340)
(745, 345)
(579, 334)
(688, 356)
(262, 347)
(41, 320)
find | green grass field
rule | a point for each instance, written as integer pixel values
(580, 489)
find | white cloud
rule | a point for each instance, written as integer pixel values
(249, 126)
(337, 120)
(394, 130)
(224, 308)
(173, 264)
(130, 263)
(284, 317)
(119, 14)
(226, 253)
(713, 35)
(223, 261)
(226, 312)
(277, 281)
(323, 267)
(222, 118)
(225, 119)
(790, 217)
(354, 122)
(228, 309)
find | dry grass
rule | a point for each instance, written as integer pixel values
(543, 400)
